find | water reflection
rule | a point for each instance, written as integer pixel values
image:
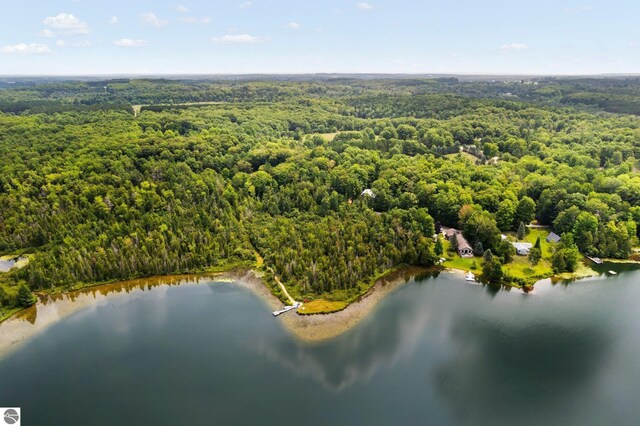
(51, 308)
(435, 351)
(9, 262)
(357, 355)
(526, 366)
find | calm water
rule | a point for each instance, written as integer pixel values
(7, 264)
(437, 351)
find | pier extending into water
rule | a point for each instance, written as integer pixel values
(595, 260)
(288, 308)
(294, 304)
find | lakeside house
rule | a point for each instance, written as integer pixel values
(523, 249)
(553, 238)
(464, 248)
(448, 232)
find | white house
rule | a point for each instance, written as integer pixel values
(523, 249)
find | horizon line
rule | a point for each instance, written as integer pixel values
(302, 74)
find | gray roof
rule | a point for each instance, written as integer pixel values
(449, 232)
(462, 242)
(553, 237)
(524, 246)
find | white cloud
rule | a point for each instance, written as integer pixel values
(63, 43)
(46, 33)
(114, 20)
(237, 39)
(634, 43)
(67, 24)
(127, 42)
(294, 26)
(152, 20)
(245, 5)
(27, 49)
(364, 6)
(182, 8)
(192, 20)
(514, 47)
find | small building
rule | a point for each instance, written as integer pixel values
(448, 232)
(464, 249)
(523, 249)
(553, 238)
(369, 193)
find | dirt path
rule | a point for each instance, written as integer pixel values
(282, 287)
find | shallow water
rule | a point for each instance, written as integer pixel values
(436, 351)
(6, 264)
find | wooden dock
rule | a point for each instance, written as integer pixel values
(288, 308)
(595, 260)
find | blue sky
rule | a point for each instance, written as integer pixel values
(283, 36)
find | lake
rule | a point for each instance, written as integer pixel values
(435, 351)
(8, 262)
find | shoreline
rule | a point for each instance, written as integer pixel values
(318, 327)
(50, 308)
(20, 325)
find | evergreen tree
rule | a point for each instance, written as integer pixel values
(522, 231)
(506, 251)
(25, 298)
(453, 241)
(534, 256)
(438, 247)
(492, 271)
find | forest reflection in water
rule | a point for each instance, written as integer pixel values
(434, 350)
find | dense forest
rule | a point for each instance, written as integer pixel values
(93, 189)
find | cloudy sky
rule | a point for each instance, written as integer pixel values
(288, 36)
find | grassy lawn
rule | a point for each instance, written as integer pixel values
(547, 248)
(321, 306)
(326, 136)
(456, 262)
(466, 155)
(519, 267)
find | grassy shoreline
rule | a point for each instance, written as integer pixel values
(322, 305)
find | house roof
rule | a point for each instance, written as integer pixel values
(523, 246)
(553, 237)
(462, 242)
(449, 232)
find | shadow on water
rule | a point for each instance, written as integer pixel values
(357, 354)
(532, 367)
